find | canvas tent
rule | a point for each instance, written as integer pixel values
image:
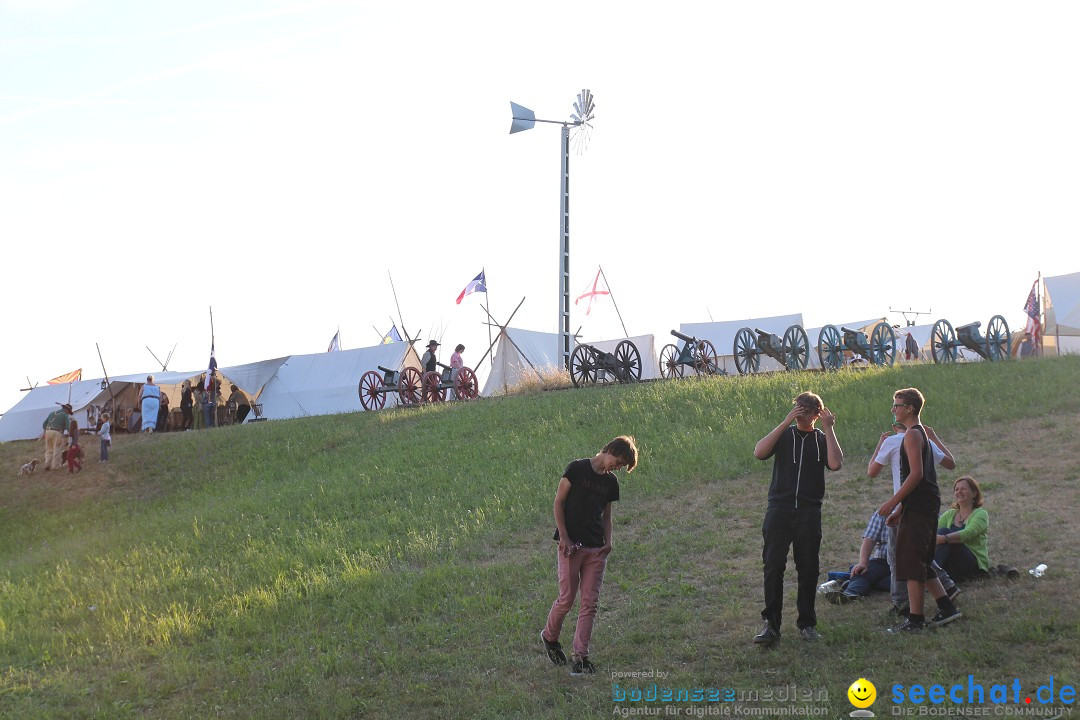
(88, 397)
(1063, 312)
(722, 336)
(328, 383)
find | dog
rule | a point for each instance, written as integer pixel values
(28, 468)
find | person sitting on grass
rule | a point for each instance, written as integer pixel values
(872, 571)
(961, 541)
(583, 530)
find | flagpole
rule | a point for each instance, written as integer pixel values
(487, 296)
(610, 293)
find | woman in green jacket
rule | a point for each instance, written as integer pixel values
(961, 540)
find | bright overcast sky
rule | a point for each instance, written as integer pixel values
(275, 160)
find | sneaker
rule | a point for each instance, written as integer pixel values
(841, 598)
(582, 666)
(952, 592)
(767, 636)
(554, 650)
(810, 634)
(944, 618)
(907, 626)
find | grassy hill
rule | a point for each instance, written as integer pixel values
(399, 564)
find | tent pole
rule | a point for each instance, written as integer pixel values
(487, 296)
(610, 293)
(502, 329)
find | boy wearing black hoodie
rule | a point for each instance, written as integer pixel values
(793, 518)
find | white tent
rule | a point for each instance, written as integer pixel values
(722, 336)
(1063, 311)
(23, 422)
(328, 383)
(517, 352)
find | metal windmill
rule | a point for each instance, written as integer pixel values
(581, 122)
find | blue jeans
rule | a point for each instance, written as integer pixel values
(104, 450)
(208, 410)
(876, 577)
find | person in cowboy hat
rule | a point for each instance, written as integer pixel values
(428, 361)
(54, 426)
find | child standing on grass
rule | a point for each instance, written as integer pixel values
(583, 531)
(920, 501)
(105, 433)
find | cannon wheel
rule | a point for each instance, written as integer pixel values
(627, 362)
(370, 389)
(747, 356)
(883, 344)
(431, 392)
(465, 385)
(998, 339)
(669, 362)
(830, 349)
(943, 342)
(410, 386)
(796, 348)
(706, 361)
(582, 366)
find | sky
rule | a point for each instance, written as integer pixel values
(281, 161)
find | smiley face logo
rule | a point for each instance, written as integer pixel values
(862, 693)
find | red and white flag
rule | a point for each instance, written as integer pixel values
(73, 376)
(599, 287)
(1033, 310)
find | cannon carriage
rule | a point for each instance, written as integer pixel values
(589, 365)
(879, 348)
(462, 383)
(698, 354)
(945, 342)
(792, 351)
(375, 385)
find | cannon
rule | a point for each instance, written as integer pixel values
(698, 354)
(408, 384)
(463, 383)
(994, 346)
(879, 349)
(590, 365)
(793, 351)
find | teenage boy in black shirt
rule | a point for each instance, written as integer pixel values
(583, 531)
(793, 517)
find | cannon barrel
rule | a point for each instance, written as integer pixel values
(849, 330)
(386, 370)
(444, 367)
(687, 338)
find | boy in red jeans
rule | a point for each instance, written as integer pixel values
(583, 531)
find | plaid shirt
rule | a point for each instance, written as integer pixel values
(878, 532)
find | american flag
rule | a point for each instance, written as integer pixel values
(212, 366)
(1032, 309)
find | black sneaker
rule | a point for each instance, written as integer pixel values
(952, 592)
(767, 636)
(908, 626)
(582, 666)
(554, 650)
(944, 618)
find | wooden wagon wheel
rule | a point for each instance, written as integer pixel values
(747, 356)
(998, 339)
(883, 344)
(372, 394)
(627, 362)
(706, 361)
(430, 390)
(830, 348)
(796, 348)
(669, 362)
(410, 386)
(943, 342)
(582, 367)
(466, 386)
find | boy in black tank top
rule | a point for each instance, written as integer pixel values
(920, 500)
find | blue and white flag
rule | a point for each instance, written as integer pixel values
(335, 342)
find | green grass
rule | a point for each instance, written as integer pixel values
(399, 564)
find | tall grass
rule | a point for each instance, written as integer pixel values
(399, 563)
